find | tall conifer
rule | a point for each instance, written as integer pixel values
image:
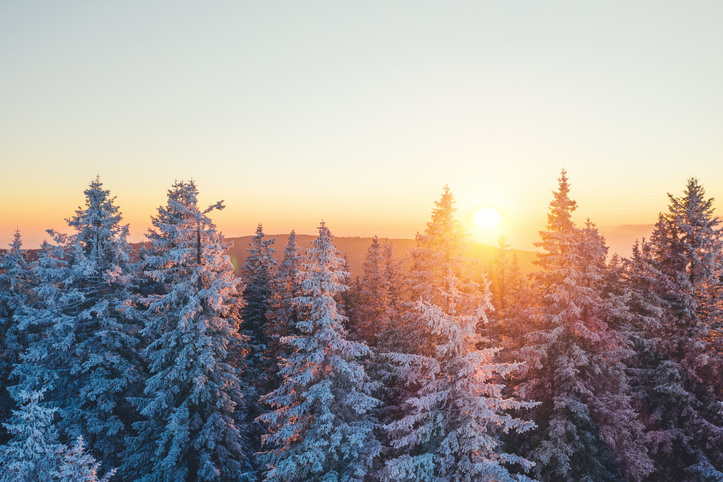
(321, 425)
(452, 411)
(675, 284)
(16, 295)
(188, 431)
(81, 346)
(587, 427)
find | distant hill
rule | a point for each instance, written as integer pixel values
(355, 248)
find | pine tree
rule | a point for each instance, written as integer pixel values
(80, 343)
(439, 250)
(105, 348)
(34, 451)
(258, 275)
(674, 279)
(375, 303)
(35, 454)
(449, 420)
(16, 284)
(188, 430)
(79, 466)
(321, 425)
(47, 327)
(513, 300)
(285, 311)
(587, 425)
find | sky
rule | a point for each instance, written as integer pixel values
(358, 113)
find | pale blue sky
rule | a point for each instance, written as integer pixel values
(358, 112)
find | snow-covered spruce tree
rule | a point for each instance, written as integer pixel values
(348, 300)
(285, 312)
(587, 427)
(48, 331)
(34, 451)
(513, 300)
(105, 359)
(501, 286)
(674, 279)
(321, 425)
(79, 466)
(375, 323)
(449, 422)
(15, 295)
(85, 351)
(187, 431)
(374, 304)
(35, 454)
(439, 249)
(258, 275)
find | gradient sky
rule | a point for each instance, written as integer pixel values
(358, 112)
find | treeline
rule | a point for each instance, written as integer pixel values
(163, 365)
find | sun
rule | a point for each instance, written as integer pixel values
(487, 217)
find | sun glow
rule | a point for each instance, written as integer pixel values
(487, 217)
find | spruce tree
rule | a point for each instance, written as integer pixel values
(35, 454)
(258, 275)
(439, 249)
(16, 285)
(321, 425)
(187, 431)
(449, 421)
(674, 280)
(513, 300)
(285, 311)
(587, 427)
(105, 348)
(375, 291)
(81, 345)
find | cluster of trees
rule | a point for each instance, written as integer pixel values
(162, 364)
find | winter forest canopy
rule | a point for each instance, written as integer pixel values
(160, 363)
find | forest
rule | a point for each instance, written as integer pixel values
(160, 363)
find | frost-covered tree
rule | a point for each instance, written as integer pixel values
(453, 422)
(79, 466)
(105, 359)
(34, 451)
(513, 300)
(48, 327)
(35, 454)
(375, 292)
(16, 284)
(84, 350)
(321, 425)
(587, 427)
(675, 282)
(439, 249)
(258, 275)
(285, 312)
(187, 431)
(449, 421)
